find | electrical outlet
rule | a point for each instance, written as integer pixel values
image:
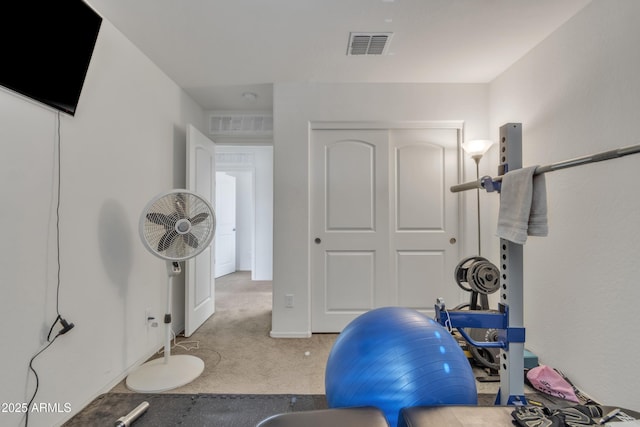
(149, 319)
(288, 300)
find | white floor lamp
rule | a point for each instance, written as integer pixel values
(476, 149)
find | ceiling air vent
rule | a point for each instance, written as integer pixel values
(242, 125)
(368, 43)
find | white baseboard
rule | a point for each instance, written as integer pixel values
(305, 334)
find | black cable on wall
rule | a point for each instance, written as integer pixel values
(66, 326)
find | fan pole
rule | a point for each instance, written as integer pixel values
(169, 372)
(173, 269)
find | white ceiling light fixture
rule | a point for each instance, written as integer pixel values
(249, 96)
(368, 43)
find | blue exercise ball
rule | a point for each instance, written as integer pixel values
(395, 357)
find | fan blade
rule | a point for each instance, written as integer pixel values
(173, 219)
(181, 205)
(199, 218)
(167, 240)
(160, 219)
(190, 240)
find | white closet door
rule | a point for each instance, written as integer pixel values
(350, 221)
(423, 218)
(382, 220)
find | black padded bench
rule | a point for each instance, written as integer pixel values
(340, 417)
(436, 416)
(417, 416)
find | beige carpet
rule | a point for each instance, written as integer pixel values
(239, 354)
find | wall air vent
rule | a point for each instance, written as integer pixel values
(368, 43)
(241, 125)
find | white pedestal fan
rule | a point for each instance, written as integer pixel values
(174, 226)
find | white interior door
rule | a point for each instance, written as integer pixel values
(199, 280)
(382, 221)
(226, 224)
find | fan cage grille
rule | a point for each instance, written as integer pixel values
(161, 217)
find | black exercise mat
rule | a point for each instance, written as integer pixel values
(216, 410)
(193, 410)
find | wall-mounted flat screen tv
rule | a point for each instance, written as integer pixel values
(46, 47)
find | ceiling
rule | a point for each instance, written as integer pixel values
(216, 50)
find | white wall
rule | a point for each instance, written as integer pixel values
(295, 105)
(578, 93)
(125, 145)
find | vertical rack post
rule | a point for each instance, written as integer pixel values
(511, 285)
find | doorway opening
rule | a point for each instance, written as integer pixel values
(244, 210)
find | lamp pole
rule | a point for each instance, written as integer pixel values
(477, 158)
(484, 300)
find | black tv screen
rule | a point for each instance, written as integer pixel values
(46, 47)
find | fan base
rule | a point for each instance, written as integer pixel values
(157, 376)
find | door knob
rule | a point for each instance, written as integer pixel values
(452, 240)
(317, 240)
